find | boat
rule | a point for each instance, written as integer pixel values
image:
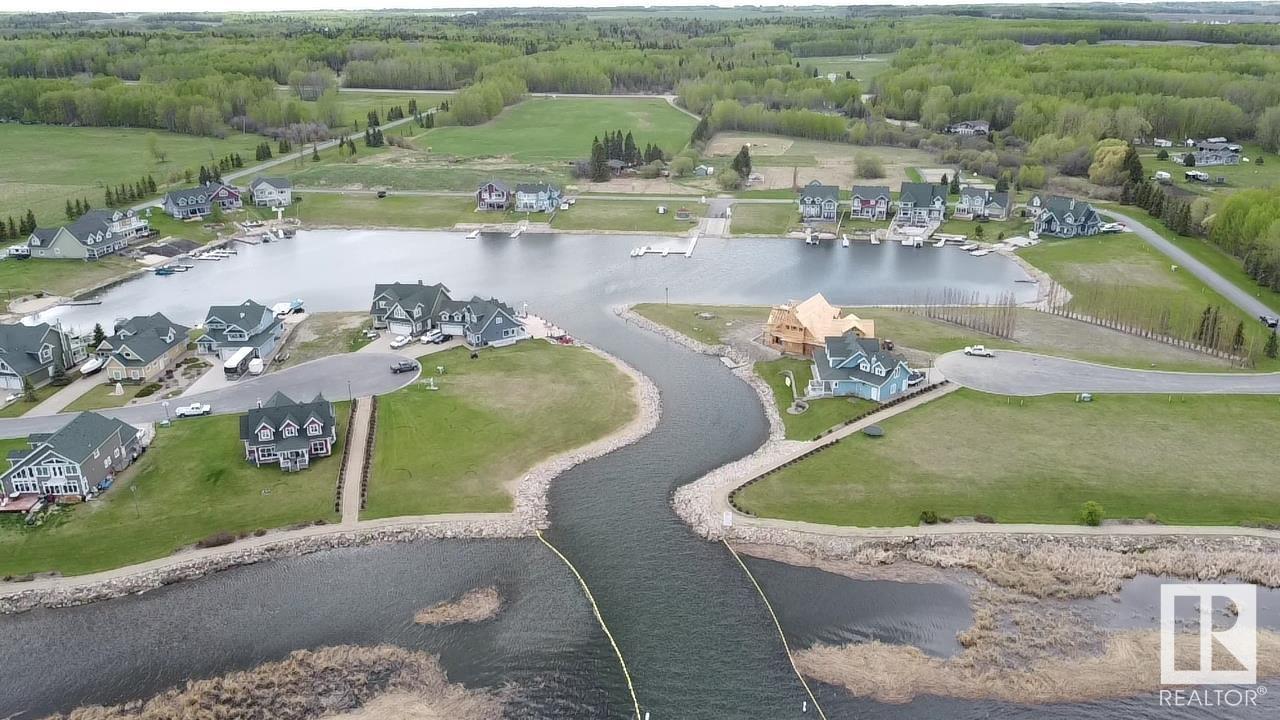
(281, 309)
(980, 253)
(93, 365)
(265, 237)
(289, 232)
(844, 241)
(180, 268)
(473, 235)
(875, 239)
(912, 242)
(164, 271)
(940, 243)
(969, 247)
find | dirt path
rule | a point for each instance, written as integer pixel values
(353, 470)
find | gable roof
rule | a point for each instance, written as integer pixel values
(987, 196)
(497, 185)
(77, 440)
(821, 319)
(192, 195)
(83, 227)
(280, 410)
(279, 183)
(822, 192)
(839, 349)
(248, 314)
(537, 188)
(921, 193)
(145, 336)
(869, 192)
(20, 346)
(1061, 205)
(409, 295)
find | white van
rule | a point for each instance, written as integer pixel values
(256, 367)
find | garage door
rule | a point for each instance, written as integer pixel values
(8, 382)
(400, 327)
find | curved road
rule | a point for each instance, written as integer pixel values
(337, 377)
(1012, 372)
(1237, 295)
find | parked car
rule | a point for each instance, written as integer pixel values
(1270, 321)
(432, 337)
(193, 410)
(915, 378)
(371, 334)
(978, 351)
(382, 194)
(399, 341)
(403, 366)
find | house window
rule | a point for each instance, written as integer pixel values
(497, 320)
(317, 446)
(313, 429)
(46, 353)
(264, 434)
(290, 431)
(26, 486)
(382, 303)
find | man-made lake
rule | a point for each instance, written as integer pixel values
(695, 634)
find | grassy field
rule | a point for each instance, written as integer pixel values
(992, 230)
(57, 277)
(20, 406)
(684, 318)
(1244, 175)
(325, 333)
(862, 67)
(822, 414)
(460, 448)
(46, 165)
(193, 482)
(400, 169)
(1120, 269)
(366, 210)
(1038, 460)
(560, 129)
(589, 214)
(761, 219)
(101, 396)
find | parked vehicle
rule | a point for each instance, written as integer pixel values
(372, 334)
(978, 351)
(382, 194)
(915, 378)
(403, 366)
(399, 341)
(1270, 321)
(193, 410)
(256, 367)
(432, 337)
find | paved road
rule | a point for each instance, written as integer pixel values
(366, 373)
(1238, 296)
(1017, 373)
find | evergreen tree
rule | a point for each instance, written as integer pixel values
(630, 155)
(98, 335)
(701, 131)
(79, 208)
(13, 229)
(1002, 183)
(151, 182)
(315, 153)
(1272, 348)
(1189, 160)
(110, 199)
(71, 211)
(373, 119)
(1237, 341)
(28, 224)
(742, 163)
(413, 106)
(599, 161)
(1157, 204)
(945, 180)
(1133, 164)
(955, 184)
(204, 175)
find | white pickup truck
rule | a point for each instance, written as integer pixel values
(193, 410)
(978, 351)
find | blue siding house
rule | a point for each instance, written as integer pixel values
(852, 366)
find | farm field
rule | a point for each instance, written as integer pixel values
(460, 448)
(862, 67)
(46, 165)
(992, 455)
(546, 130)
(192, 483)
(784, 162)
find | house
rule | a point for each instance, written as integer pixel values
(704, 171)
(92, 235)
(871, 202)
(198, 202)
(72, 461)
(34, 353)
(271, 191)
(970, 127)
(1067, 217)
(142, 347)
(853, 366)
(537, 197)
(288, 433)
(799, 328)
(1214, 151)
(975, 202)
(412, 309)
(1035, 205)
(921, 203)
(819, 202)
(1162, 143)
(227, 328)
(494, 195)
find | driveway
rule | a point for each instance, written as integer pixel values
(413, 350)
(337, 377)
(1018, 373)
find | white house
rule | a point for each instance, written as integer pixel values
(271, 191)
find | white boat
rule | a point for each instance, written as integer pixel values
(93, 365)
(980, 253)
(473, 235)
(844, 241)
(969, 247)
(875, 239)
(180, 268)
(206, 256)
(940, 243)
(912, 242)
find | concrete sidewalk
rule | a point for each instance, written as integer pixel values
(354, 467)
(56, 402)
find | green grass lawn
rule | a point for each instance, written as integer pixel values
(1038, 460)
(167, 226)
(58, 277)
(1244, 175)
(822, 414)
(46, 165)
(560, 129)
(326, 333)
(762, 219)
(101, 396)
(20, 406)
(400, 169)
(862, 67)
(462, 448)
(684, 318)
(192, 483)
(588, 214)
(366, 210)
(1123, 274)
(992, 230)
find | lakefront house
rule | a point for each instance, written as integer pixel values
(31, 354)
(271, 191)
(537, 197)
(975, 202)
(411, 309)
(92, 235)
(921, 203)
(819, 202)
(142, 347)
(1067, 217)
(494, 195)
(871, 202)
(851, 365)
(73, 461)
(799, 328)
(287, 433)
(198, 202)
(227, 328)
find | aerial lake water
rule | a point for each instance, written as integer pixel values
(695, 634)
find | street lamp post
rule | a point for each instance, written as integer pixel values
(349, 395)
(165, 404)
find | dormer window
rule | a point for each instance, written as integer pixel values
(46, 353)
(497, 320)
(313, 428)
(382, 303)
(264, 434)
(290, 431)
(865, 367)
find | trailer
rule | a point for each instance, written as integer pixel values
(238, 363)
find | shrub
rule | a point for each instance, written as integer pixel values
(728, 179)
(1162, 155)
(1091, 513)
(259, 532)
(148, 389)
(928, 517)
(216, 540)
(868, 166)
(1152, 519)
(982, 518)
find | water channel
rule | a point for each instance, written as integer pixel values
(695, 634)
